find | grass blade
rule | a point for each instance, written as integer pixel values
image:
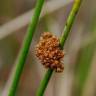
(63, 38)
(25, 48)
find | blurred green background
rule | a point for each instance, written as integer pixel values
(78, 78)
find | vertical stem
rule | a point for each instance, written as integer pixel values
(70, 22)
(25, 48)
(44, 83)
(63, 38)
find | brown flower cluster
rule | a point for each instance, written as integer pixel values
(49, 52)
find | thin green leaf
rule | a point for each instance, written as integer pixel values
(25, 48)
(63, 38)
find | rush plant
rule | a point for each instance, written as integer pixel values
(26, 45)
(25, 48)
(65, 33)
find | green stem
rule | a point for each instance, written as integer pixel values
(70, 22)
(67, 28)
(44, 83)
(25, 48)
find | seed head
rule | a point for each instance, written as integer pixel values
(49, 52)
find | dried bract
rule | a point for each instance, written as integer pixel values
(49, 52)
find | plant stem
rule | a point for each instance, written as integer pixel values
(63, 38)
(44, 83)
(70, 22)
(25, 48)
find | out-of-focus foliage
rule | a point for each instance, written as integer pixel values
(79, 70)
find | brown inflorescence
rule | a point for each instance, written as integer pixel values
(49, 52)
